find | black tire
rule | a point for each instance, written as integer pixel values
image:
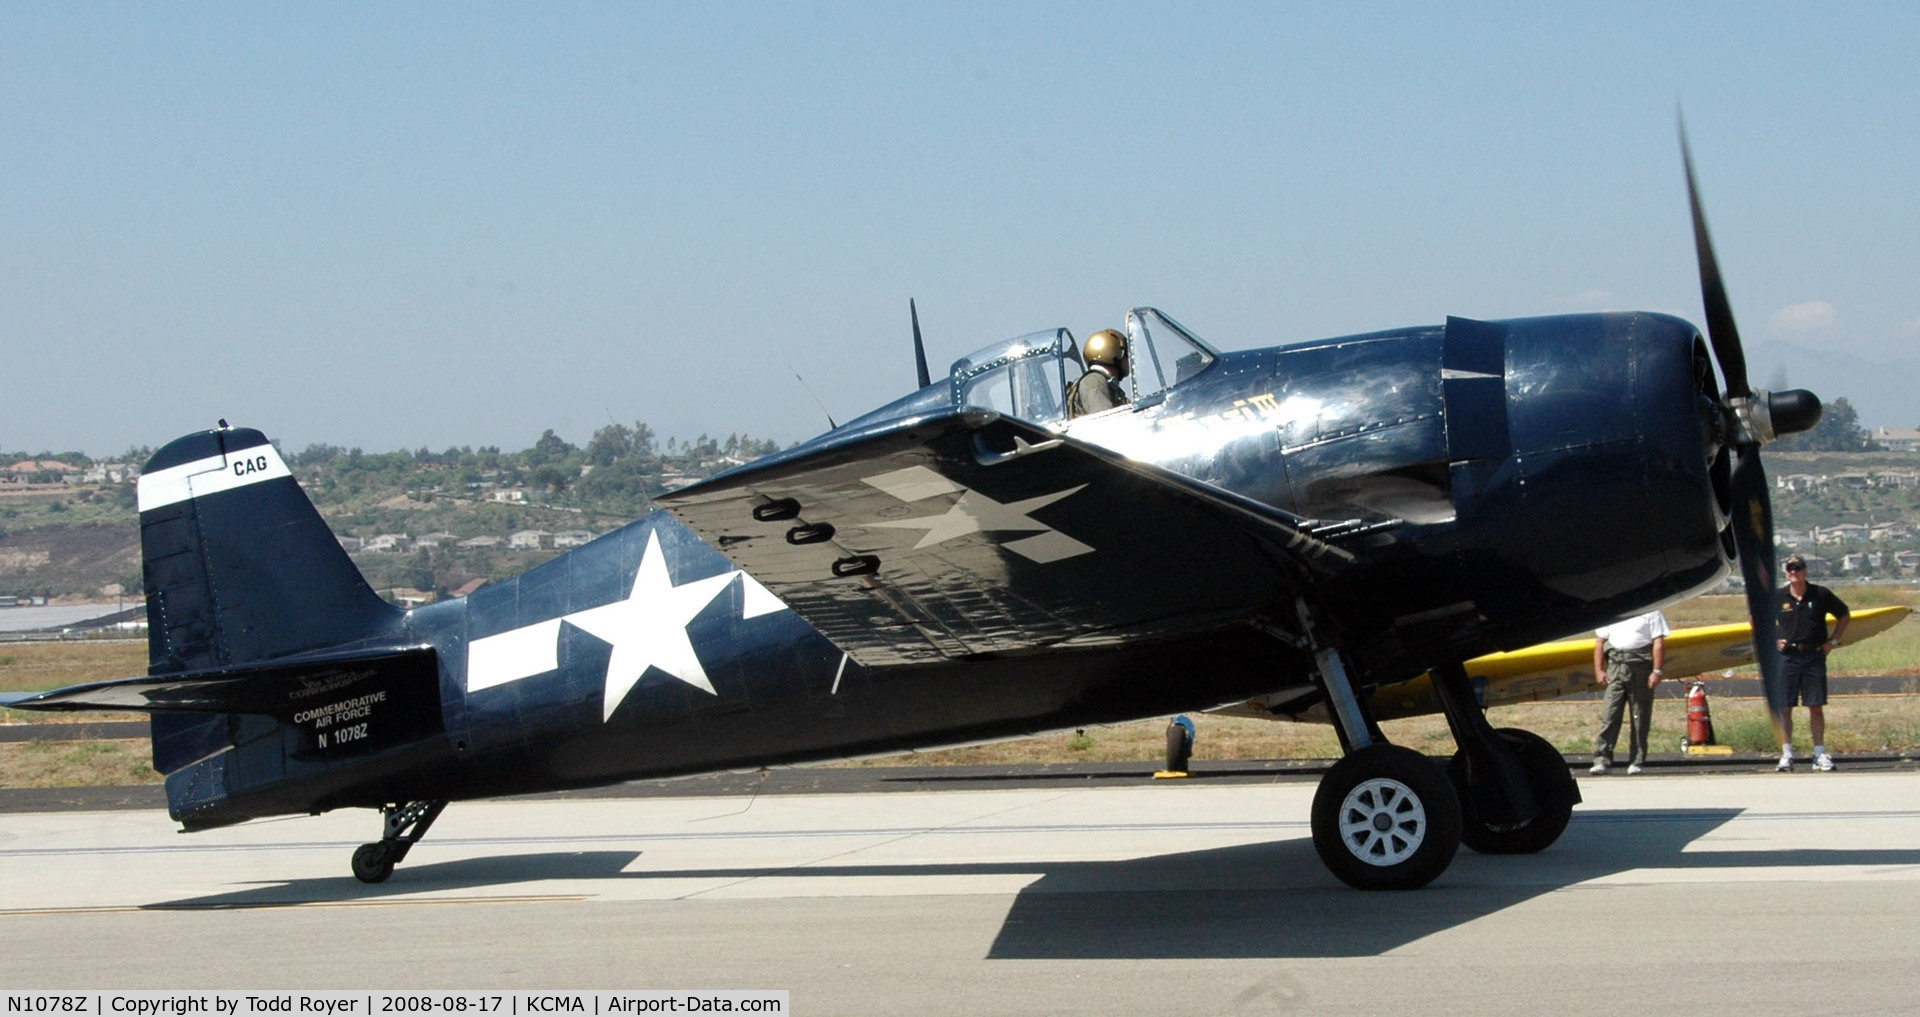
(1553, 788)
(1179, 747)
(372, 863)
(1400, 790)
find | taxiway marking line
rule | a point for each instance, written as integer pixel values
(111, 909)
(1610, 816)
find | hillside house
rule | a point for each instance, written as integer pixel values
(1862, 561)
(530, 540)
(479, 542)
(1840, 533)
(572, 538)
(1800, 482)
(39, 471)
(109, 473)
(1889, 531)
(407, 596)
(1897, 439)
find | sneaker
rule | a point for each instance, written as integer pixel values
(1633, 768)
(1600, 768)
(1786, 764)
(1823, 762)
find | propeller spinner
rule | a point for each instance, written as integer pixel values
(1750, 419)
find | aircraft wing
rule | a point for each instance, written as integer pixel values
(1553, 670)
(968, 533)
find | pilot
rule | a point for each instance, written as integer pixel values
(1099, 388)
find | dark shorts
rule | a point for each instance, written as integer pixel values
(1806, 673)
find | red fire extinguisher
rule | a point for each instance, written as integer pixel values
(1699, 720)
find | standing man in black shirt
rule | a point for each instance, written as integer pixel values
(1801, 615)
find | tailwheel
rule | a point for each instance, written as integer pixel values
(1386, 818)
(405, 823)
(1553, 788)
(372, 863)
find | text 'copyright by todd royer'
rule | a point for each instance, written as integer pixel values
(389, 1003)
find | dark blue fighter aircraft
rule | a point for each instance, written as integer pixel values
(1308, 522)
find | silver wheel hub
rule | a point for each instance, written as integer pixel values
(1382, 822)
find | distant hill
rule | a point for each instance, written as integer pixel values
(404, 516)
(420, 522)
(1882, 390)
(87, 559)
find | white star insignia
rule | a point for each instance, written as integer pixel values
(975, 513)
(649, 628)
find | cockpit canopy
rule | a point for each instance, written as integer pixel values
(1027, 376)
(1023, 377)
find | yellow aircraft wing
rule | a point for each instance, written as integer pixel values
(1553, 670)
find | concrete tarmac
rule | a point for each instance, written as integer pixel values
(1747, 893)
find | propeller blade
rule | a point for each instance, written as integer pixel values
(1721, 331)
(919, 350)
(1753, 539)
(1752, 503)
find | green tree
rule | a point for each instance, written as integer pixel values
(612, 442)
(551, 478)
(549, 448)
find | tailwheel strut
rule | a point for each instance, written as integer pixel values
(406, 823)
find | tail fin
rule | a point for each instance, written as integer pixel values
(239, 566)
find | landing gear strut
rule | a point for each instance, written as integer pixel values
(1384, 817)
(1516, 795)
(1553, 788)
(406, 823)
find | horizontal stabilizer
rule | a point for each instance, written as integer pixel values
(279, 689)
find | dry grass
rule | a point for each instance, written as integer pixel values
(76, 764)
(40, 666)
(36, 666)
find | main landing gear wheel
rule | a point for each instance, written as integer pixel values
(1386, 818)
(1553, 788)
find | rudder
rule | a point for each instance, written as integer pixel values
(238, 564)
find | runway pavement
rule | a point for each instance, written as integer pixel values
(1747, 893)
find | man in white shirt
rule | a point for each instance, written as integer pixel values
(1628, 658)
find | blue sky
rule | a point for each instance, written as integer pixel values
(426, 224)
